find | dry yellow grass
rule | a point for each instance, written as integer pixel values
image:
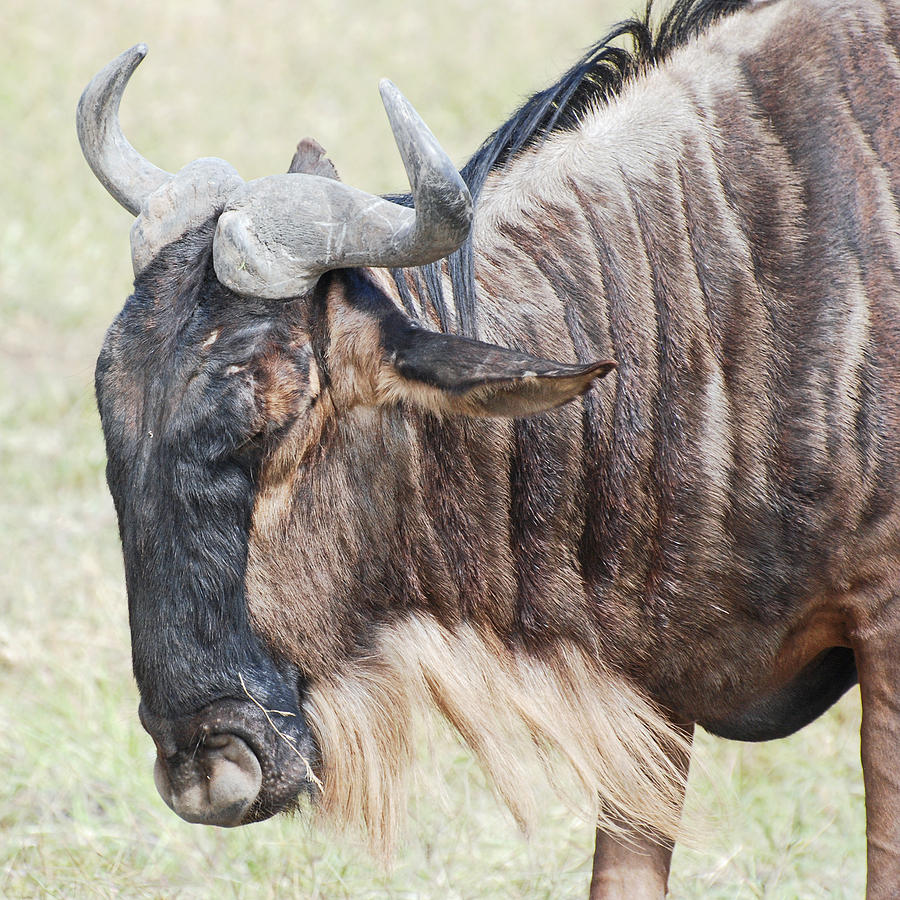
(245, 79)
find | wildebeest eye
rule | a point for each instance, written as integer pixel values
(265, 395)
(224, 414)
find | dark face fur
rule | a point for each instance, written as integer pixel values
(192, 384)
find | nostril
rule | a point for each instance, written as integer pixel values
(221, 765)
(214, 786)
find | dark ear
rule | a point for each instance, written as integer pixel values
(310, 159)
(457, 375)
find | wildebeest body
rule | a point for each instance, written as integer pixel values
(710, 536)
(737, 256)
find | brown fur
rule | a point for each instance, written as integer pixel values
(678, 532)
(698, 540)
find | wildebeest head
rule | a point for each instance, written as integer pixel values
(257, 323)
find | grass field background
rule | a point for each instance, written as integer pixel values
(245, 79)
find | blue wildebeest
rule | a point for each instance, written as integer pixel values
(341, 499)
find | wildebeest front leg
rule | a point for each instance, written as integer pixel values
(877, 649)
(636, 868)
(632, 867)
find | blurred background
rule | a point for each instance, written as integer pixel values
(245, 79)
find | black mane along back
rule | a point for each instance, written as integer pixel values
(597, 77)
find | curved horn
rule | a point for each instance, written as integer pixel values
(442, 200)
(120, 168)
(278, 235)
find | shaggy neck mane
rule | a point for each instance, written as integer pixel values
(598, 77)
(608, 751)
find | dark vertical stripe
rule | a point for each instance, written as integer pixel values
(668, 428)
(615, 555)
(434, 291)
(467, 505)
(462, 275)
(399, 276)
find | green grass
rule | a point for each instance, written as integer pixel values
(245, 79)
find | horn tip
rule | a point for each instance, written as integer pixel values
(387, 88)
(131, 58)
